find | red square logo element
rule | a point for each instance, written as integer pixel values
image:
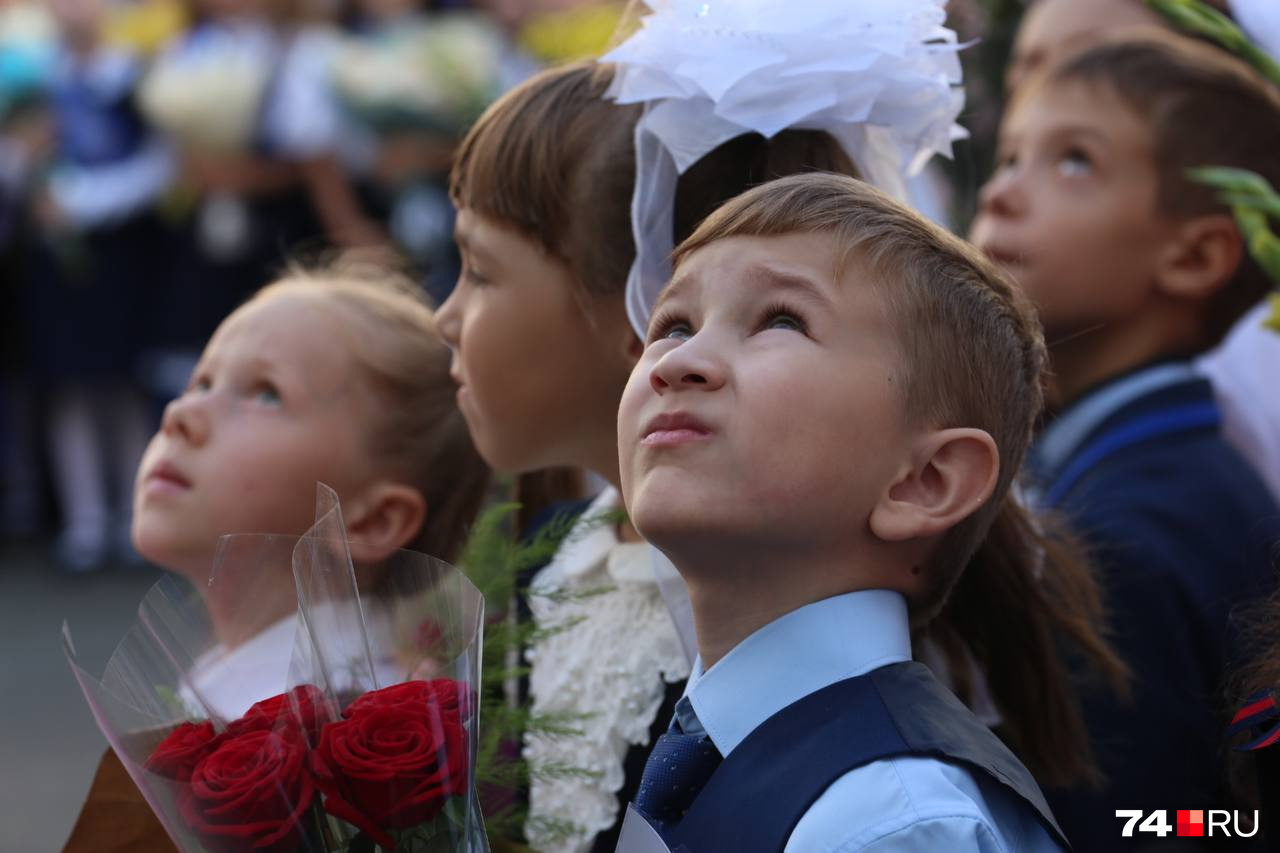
(1191, 822)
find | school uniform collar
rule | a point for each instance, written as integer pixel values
(1063, 437)
(800, 653)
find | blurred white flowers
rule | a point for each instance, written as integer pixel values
(437, 74)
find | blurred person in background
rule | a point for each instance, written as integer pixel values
(1242, 367)
(94, 258)
(410, 79)
(244, 96)
(27, 39)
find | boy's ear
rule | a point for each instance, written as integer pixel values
(953, 472)
(386, 520)
(1203, 255)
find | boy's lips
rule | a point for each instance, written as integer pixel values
(674, 428)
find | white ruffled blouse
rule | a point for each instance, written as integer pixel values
(612, 662)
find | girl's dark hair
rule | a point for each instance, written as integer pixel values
(1259, 627)
(574, 153)
(1037, 566)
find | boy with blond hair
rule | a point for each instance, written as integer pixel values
(834, 399)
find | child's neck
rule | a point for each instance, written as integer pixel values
(1081, 363)
(239, 602)
(733, 598)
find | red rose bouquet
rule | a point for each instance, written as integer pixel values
(303, 715)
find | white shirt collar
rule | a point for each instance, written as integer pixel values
(798, 654)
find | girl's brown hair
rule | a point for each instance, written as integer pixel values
(555, 160)
(974, 357)
(1259, 626)
(417, 431)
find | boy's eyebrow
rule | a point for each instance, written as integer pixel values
(1076, 130)
(762, 277)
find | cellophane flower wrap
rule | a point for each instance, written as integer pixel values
(302, 703)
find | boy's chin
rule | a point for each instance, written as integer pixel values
(677, 523)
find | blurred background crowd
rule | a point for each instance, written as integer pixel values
(162, 159)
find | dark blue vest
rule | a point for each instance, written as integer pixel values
(757, 796)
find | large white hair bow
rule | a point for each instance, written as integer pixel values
(881, 76)
(1260, 20)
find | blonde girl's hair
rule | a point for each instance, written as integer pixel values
(1008, 589)
(417, 430)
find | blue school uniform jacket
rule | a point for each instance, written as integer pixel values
(1180, 529)
(834, 741)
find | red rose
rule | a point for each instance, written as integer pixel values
(251, 793)
(178, 754)
(305, 706)
(396, 759)
(451, 697)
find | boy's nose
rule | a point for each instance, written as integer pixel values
(187, 419)
(1002, 195)
(687, 366)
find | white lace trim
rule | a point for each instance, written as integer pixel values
(612, 664)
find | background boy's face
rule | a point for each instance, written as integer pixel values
(1071, 210)
(274, 406)
(779, 386)
(1052, 26)
(539, 378)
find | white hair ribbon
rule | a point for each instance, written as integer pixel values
(881, 76)
(1260, 20)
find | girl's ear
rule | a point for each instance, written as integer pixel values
(386, 520)
(1202, 257)
(953, 472)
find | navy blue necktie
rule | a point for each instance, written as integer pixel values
(678, 767)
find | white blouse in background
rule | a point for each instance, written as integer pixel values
(612, 662)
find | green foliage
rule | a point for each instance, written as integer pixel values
(1254, 203)
(495, 561)
(1200, 19)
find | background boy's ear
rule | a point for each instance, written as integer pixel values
(384, 520)
(952, 473)
(1204, 254)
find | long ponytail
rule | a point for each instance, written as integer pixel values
(1028, 613)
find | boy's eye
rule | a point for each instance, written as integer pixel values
(669, 326)
(781, 317)
(785, 321)
(199, 384)
(267, 393)
(1074, 163)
